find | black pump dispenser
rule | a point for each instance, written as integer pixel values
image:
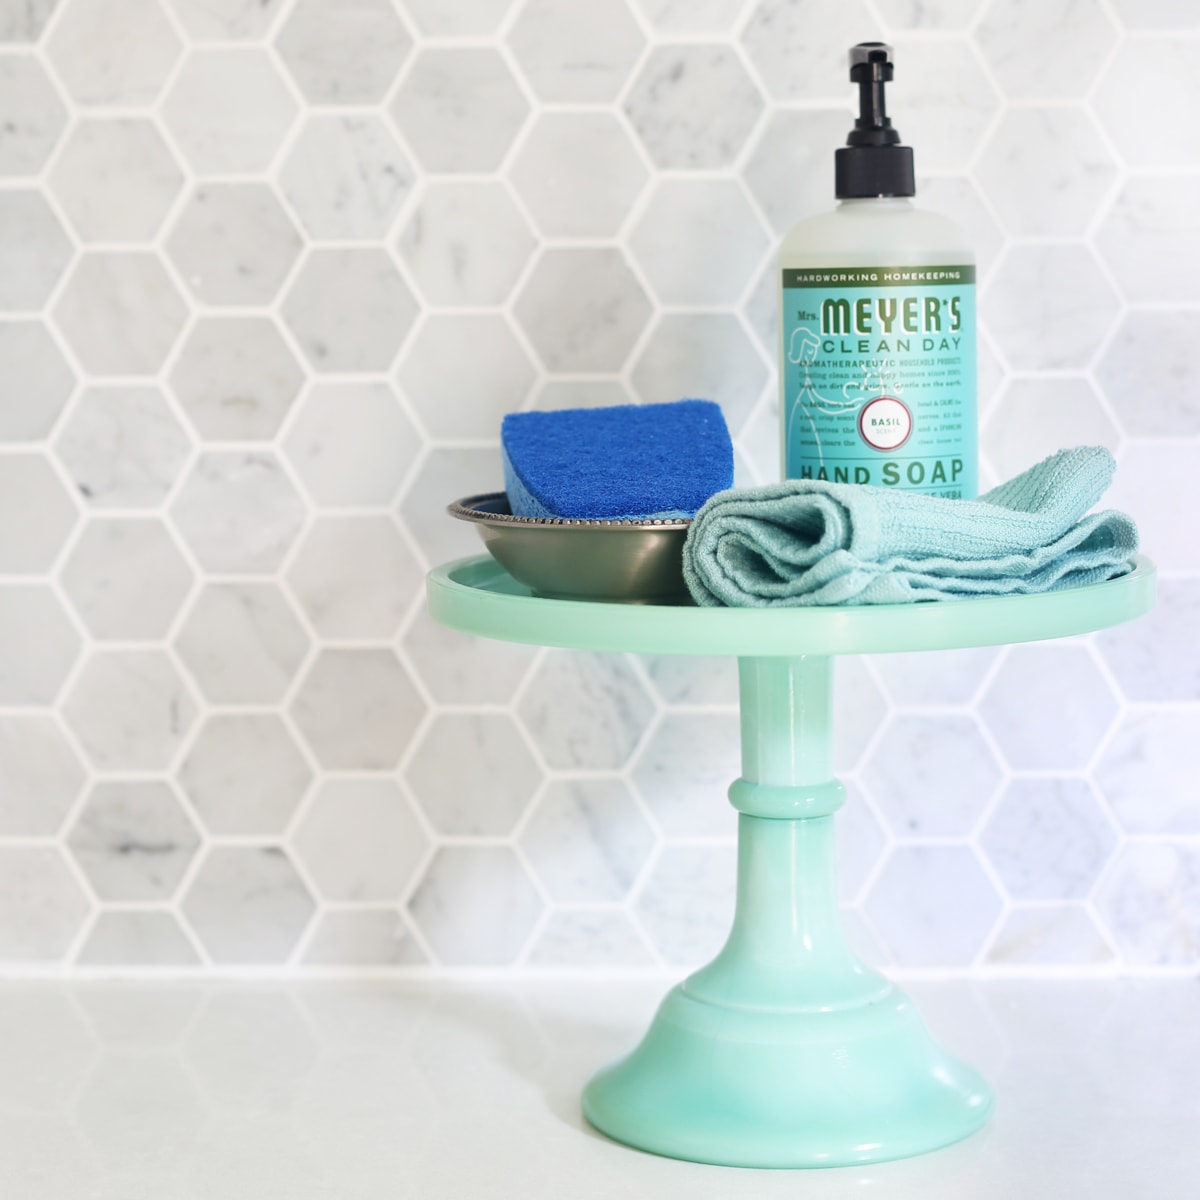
(872, 162)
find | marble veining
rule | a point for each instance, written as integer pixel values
(686, 902)
(130, 709)
(1033, 330)
(121, 312)
(1039, 416)
(1048, 839)
(1149, 901)
(227, 109)
(349, 309)
(235, 378)
(238, 512)
(352, 444)
(691, 16)
(100, 65)
(24, 21)
(575, 52)
(242, 643)
(357, 708)
(587, 840)
(582, 330)
(600, 733)
(462, 758)
(1149, 235)
(247, 904)
(1050, 933)
(105, 576)
(122, 446)
(693, 106)
(688, 761)
(244, 775)
(139, 937)
(579, 173)
(232, 19)
(362, 938)
(339, 53)
(35, 115)
(797, 45)
(590, 938)
(684, 213)
(362, 843)
(1048, 49)
(466, 243)
(354, 576)
(347, 177)
(233, 244)
(708, 355)
(932, 775)
(116, 179)
(133, 841)
(475, 905)
(1047, 170)
(459, 109)
(451, 392)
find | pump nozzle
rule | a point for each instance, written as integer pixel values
(871, 67)
(873, 163)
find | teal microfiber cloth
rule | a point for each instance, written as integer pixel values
(621, 462)
(807, 542)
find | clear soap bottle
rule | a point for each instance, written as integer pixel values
(877, 366)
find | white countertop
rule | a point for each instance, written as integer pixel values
(362, 1091)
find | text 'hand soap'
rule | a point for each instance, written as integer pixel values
(877, 322)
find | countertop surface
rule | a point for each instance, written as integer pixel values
(367, 1091)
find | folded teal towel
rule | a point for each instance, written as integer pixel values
(809, 542)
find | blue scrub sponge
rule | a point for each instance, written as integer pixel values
(625, 461)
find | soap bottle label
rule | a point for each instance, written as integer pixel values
(879, 377)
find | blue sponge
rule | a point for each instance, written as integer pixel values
(621, 462)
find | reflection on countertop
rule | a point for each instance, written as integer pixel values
(366, 1091)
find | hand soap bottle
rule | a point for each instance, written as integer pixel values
(877, 322)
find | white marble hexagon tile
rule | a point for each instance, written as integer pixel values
(270, 273)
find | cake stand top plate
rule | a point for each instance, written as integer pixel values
(476, 595)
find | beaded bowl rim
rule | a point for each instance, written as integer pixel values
(471, 508)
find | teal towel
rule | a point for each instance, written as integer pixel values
(809, 542)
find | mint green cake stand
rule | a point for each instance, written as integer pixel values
(786, 1050)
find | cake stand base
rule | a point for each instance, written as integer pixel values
(751, 1087)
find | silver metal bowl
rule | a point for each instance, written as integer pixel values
(630, 562)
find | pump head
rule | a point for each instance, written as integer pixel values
(872, 163)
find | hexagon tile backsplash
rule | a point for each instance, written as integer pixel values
(270, 273)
